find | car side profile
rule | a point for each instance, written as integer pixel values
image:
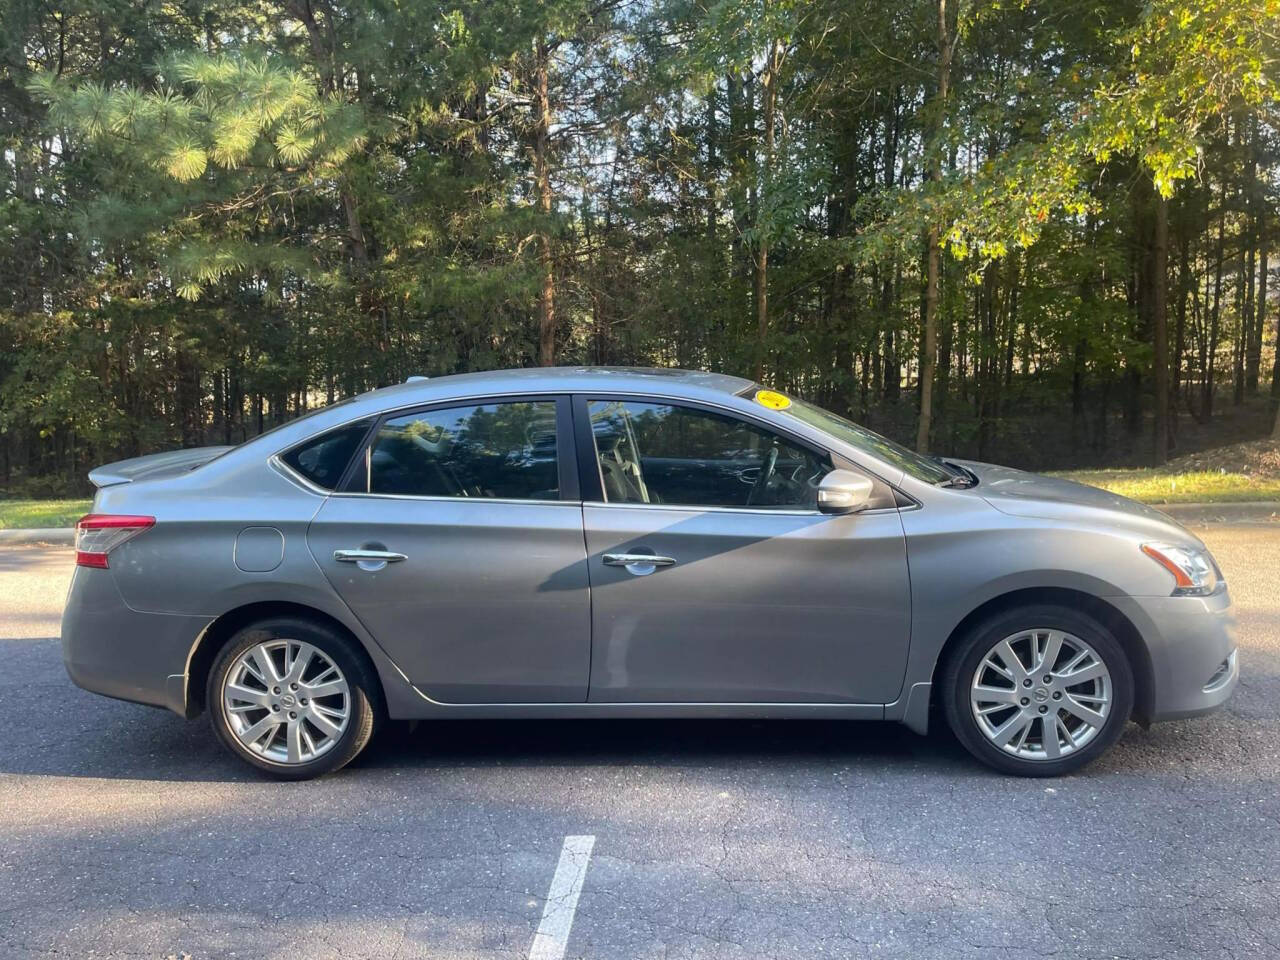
(597, 542)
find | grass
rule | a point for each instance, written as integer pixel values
(1190, 486)
(18, 514)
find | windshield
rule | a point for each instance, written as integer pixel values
(914, 464)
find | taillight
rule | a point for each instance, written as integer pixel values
(97, 534)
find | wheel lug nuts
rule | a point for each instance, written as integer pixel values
(275, 708)
(275, 689)
(294, 686)
(304, 701)
(1025, 701)
(1057, 695)
(1048, 679)
(1025, 683)
(294, 716)
(1042, 710)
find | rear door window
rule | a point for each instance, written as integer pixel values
(504, 450)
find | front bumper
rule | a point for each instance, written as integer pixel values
(1191, 642)
(111, 649)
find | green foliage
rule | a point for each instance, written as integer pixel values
(1188, 66)
(41, 514)
(1163, 486)
(218, 215)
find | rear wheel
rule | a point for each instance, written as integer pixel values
(293, 698)
(1038, 691)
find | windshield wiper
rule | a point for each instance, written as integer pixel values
(960, 477)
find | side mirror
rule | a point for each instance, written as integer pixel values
(843, 491)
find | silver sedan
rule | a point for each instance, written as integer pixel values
(631, 543)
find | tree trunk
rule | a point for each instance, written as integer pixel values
(1184, 291)
(1240, 338)
(988, 364)
(1077, 393)
(892, 363)
(1141, 300)
(712, 168)
(188, 396)
(929, 357)
(1160, 326)
(1252, 334)
(769, 105)
(1252, 329)
(942, 373)
(933, 256)
(1210, 366)
(890, 378)
(1262, 311)
(542, 184)
(735, 150)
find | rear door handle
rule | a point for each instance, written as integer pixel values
(369, 559)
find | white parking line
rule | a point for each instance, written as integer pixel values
(552, 938)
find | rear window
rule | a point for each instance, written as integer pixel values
(323, 459)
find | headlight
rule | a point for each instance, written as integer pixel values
(1194, 572)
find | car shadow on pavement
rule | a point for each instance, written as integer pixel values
(113, 740)
(107, 739)
(119, 741)
(618, 742)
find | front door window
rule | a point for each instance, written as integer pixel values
(661, 453)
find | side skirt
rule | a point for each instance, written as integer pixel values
(569, 711)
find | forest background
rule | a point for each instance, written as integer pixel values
(1035, 231)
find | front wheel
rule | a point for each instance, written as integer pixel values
(1038, 691)
(293, 698)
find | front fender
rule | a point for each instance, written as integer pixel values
(967, 555)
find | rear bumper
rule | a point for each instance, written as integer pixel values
(1192, 645)
(111, 649)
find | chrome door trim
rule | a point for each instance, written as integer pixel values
(279, 466)
(757, 511)
(351, 494)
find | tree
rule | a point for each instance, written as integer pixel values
(933, 243)
(227, 214)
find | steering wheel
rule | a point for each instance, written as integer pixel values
(766, 474)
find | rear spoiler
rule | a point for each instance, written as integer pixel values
(153, 465)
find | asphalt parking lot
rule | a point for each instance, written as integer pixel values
(125, 832)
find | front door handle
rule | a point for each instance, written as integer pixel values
(639, 564)
(369, 560)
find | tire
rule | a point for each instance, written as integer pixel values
(335, 724)
(1020, 712)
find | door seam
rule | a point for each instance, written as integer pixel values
(591, 612)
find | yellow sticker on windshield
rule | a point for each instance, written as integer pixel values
(772, 400)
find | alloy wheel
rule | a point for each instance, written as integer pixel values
(286, 701)
(1041, 694)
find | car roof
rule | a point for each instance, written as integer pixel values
(713, 388)
(569, 379)
(686, 384)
